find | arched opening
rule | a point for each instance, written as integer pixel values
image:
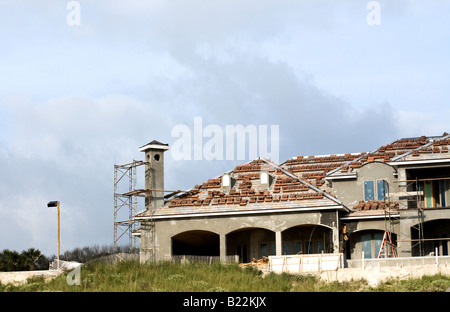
(436, 234)
(307, 239)
(370, 242)
(251, 243)
(196, 243)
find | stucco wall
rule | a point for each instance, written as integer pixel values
(276, 222)
(351, 191)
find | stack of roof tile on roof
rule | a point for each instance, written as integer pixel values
(409, 146)
(314, 168)
(373, 208)
(376, 205)
(247, 192)
(293, 183)
(400, 150)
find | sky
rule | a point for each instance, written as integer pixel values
(84, 84)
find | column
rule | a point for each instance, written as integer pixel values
(278, 243)
(223, 248)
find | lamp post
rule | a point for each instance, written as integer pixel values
(56, 204)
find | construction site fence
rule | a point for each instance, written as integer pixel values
(204, 259)
(397, 262)
(308, 263)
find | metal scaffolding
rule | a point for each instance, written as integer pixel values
(413, 199)
(125, 203)
(390, 220)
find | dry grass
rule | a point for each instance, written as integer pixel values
(130, 276)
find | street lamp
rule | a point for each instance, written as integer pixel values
(56, 204)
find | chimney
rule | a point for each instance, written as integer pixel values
(154, 173)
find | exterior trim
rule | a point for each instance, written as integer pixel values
(369, 217)
(342, 177)
(243, 212)
(417, 162)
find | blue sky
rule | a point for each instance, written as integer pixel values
(77, 99)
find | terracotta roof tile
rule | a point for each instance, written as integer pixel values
(375, 205)
(311, 169)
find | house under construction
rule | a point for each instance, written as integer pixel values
(392, 202)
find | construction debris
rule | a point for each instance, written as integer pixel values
(255, 263)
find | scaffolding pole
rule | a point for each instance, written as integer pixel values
(419, 205)
(125, 204)
(390, 250)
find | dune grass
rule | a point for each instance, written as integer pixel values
(131, 276)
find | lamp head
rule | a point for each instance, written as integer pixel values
(53, 203)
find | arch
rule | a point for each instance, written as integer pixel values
(368, 241)
(433, 230)
(196, 242)
(250, 242)
(307, 239)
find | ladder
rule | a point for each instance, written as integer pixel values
(387, 235)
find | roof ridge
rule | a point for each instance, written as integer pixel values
(443, 137)
(302, 181)
(155, 142)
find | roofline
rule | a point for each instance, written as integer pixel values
(343, 176)
(368, 217)
(153, 146)
(242, 212)
(419, 162)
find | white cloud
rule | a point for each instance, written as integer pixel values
(78, 99)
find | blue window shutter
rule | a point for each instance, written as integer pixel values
(380, 191)
(264, 252)
(378, 238)
(369, 192)
(366, 245)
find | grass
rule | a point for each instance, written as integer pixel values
(130, 276)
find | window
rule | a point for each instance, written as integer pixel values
(369, 190)
(442, 183)
(320, 246)
(434, 193)
(309, 247)
(382, 190)
(378, 240)
(267, 249)
(272, 249)
(264, 251)
(286, 248)
(297, 247)
(371, 244)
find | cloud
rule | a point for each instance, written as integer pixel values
(78, 100)
(64, 149)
